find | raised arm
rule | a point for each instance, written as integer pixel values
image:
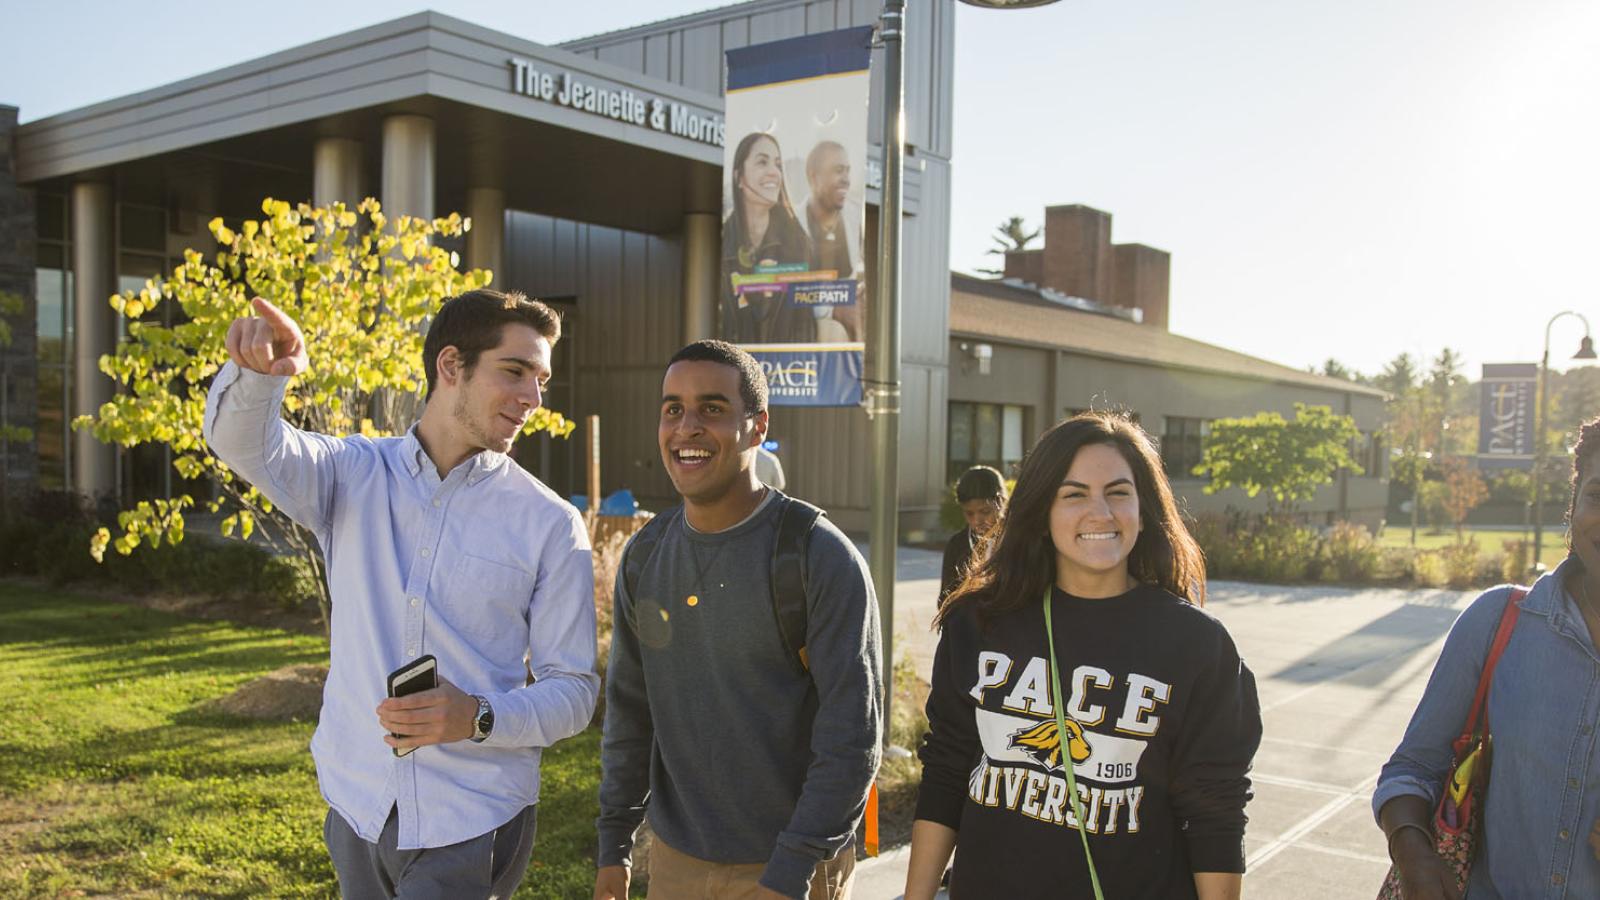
(243, 427)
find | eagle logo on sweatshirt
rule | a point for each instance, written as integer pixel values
(1043, 743)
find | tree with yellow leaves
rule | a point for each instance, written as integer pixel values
(362, 287)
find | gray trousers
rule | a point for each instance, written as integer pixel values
(490, 865)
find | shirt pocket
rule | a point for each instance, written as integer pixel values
(487, 599)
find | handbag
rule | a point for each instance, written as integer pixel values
(1458, 819)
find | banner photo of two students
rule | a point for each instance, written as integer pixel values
(792, 288)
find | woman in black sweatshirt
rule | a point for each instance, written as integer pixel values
(1160, 714)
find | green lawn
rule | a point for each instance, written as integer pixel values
(116, 781)
(1489, 540)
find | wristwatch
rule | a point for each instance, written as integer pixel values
(484, 723)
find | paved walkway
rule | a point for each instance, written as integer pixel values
(1339, 671)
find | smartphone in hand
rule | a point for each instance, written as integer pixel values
(421, 674)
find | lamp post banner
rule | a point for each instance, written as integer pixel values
(793, 286)
(1505, 417)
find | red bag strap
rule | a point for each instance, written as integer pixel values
(1502, 637)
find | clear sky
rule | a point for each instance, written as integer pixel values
(1352, 179)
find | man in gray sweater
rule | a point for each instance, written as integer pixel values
(754, 771)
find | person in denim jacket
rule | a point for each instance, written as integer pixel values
(1541, 835)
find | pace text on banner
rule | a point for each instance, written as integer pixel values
(1505, 419)
(793, 288)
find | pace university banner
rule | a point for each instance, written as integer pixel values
(1505, 416)
(793, 289)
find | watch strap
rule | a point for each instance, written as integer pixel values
(483, 723)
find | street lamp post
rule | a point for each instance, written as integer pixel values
(881, 384)
(881, 393)
(1585, 351)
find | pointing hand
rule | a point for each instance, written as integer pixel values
(268, 342)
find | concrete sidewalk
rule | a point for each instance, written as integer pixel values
(1339, 671)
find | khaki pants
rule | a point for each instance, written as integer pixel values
(679, 876)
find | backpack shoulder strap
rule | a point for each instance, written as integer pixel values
(1502, 637)
(640, 548)
(796, 520)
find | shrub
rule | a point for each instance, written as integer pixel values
(1515, 561)
(1428, 568)
(1352, 552)
(1460, 564)
(1394, 563)
(222, 570)
(1258, 548)
(610, 537)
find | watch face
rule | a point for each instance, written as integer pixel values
(485, 722)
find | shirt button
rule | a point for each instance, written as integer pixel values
(411, 650)
(1588, 729)
(438, 503)
(1564, 834)
(416, 601)
(426, 552)
(1557, 879)
(1572, 782)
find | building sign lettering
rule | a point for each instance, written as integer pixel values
(622, 105)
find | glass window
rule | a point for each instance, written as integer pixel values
(53, 294)
(961, 431)
(1011, 433)
(52, 212)
(986, 431)
(133, 270)
(988, 434)
(51, 427)
(1182, 444)
(144, 228)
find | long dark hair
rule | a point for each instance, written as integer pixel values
(1587, 449)
(1018, 561)
(782, 215)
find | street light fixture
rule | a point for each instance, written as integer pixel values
(1007, 4)
(1585, 351)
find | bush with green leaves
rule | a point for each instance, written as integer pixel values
(361, 286)
(1288, 459)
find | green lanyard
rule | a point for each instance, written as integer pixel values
(1066, 747)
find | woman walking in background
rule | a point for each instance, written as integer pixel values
(1540, 832)
(981, 492)
(1077, 680)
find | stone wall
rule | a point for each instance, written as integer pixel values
(18, 361)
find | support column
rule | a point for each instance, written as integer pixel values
(486, 207)
(702, 260)
(408, 164)
(94, 271)
(336, 174)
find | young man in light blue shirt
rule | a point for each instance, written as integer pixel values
(436, 543)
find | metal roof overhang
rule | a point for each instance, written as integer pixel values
(262, 116)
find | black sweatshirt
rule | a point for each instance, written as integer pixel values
(957, 554)
(1169, 723)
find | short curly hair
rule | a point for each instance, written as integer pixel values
(1583, 455)
(752, 381)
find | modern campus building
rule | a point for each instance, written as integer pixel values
(611, 211)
